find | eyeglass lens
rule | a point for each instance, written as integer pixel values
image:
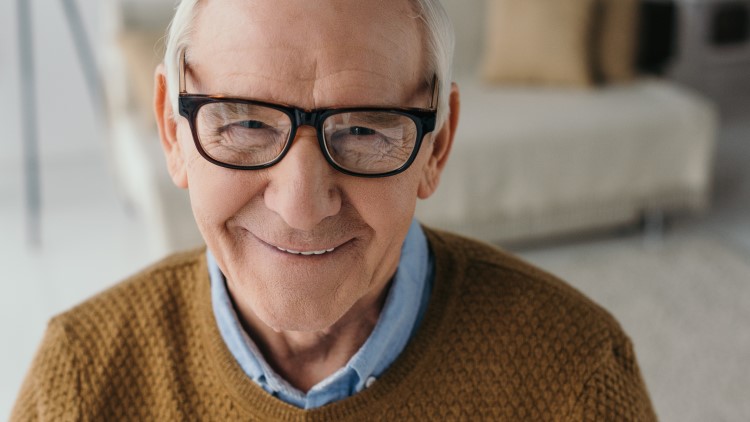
(242, 134)
(368, 142)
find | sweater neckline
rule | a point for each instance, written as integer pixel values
(414, 360)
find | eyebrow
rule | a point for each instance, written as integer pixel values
(376, 118)
(422, 86)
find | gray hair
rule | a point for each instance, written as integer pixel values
(439, 44)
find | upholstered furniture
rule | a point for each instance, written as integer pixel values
(535, 161)
(529, 161)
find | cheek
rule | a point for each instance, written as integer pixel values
(218, 194)
(383, 208)
(393, 198)
(387, 205)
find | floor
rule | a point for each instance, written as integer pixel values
(683, 301)
(685, 298)
(90, 241)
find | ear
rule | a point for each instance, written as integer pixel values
(441, 147)
(168, 129)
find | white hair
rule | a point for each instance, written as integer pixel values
(438, 36)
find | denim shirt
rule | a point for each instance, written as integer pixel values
(402, 313)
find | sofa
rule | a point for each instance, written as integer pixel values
(533, 162)
(528, 162)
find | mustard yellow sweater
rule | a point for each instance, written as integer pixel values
(501, 341)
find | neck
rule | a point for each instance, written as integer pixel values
(304, 358)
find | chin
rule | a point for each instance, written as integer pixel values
(300, 317)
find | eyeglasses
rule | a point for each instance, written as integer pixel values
(245, 134)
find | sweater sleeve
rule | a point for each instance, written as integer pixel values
(615, 391)
(51, 390)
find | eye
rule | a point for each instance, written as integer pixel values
(251, 124)
(245, 126)
(361, 131)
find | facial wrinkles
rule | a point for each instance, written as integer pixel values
(189, 153)
(321, 76)
(368, 77)
(332, 231)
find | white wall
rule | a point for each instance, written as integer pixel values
(89, 241)
(67, 119)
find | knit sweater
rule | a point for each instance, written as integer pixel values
(500, 341)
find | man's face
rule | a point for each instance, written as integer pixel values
(310, 55)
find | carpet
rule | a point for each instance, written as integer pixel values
(685, 302)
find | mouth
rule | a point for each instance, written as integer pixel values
(305, 253)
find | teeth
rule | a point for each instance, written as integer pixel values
(321, 252)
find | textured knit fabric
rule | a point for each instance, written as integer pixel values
(500, 341)
(404, 307)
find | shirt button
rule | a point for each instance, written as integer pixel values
(370, 381)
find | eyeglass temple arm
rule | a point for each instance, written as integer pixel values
(183, 89)
(435, 92)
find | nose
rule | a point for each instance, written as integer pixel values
(301, 187)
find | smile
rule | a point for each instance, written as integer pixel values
(306, 253)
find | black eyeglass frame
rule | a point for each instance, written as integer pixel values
(189, 105)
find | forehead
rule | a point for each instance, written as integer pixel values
(308, 53)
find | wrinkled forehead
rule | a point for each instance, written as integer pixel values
(309, 53)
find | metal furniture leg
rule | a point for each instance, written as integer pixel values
(32, 180)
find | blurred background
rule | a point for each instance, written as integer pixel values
(607, 141)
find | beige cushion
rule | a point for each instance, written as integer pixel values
(539, 42)
(143, 51)
(616, 40)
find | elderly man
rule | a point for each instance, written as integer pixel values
(305, 131)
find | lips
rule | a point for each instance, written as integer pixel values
(302, 251)
(306, 253)
(303, 246)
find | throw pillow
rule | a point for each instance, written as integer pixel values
(617, 40)
(539, 41)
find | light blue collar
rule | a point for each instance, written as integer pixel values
(402, 313)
